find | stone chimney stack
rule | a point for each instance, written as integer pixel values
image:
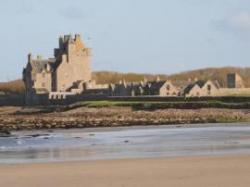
(61, 42)
(78, 42)
(78, 37)
(124, 82)
(39, 57)
(29, 57)
(67, 38)
(158, 79)
(48, 67)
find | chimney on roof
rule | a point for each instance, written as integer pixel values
(61, 42)
(78, 37)
(124, 82)
(78, 42)
(29, 57)
(39, 57)
(68, 38)
(48, 67)
(158, 79)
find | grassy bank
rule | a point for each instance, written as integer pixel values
(155, 105)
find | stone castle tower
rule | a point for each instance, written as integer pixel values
(71, 64)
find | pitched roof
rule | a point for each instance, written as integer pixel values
(217, 84)
(200, 83)
(156, 85)
(181, 84)
(135, 85)
(38, 65)
(189, 87)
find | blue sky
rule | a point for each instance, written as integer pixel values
(153, 36)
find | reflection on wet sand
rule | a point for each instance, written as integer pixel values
(113, 143)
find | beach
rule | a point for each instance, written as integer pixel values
(213, 155)
(221, 171)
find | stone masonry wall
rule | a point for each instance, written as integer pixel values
(77, 67)
(43, 81)
(233, 92)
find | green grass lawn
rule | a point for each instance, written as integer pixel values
(161, 104)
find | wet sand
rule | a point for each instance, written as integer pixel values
(161, 172)
(125, 143)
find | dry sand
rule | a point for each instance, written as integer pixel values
(173, 172)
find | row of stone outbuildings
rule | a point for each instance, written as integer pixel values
(157, 88)
(197, 88)
(165, 89)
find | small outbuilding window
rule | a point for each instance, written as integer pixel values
(168, 87)
(209, 87)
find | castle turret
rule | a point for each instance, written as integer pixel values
(78, 42)
(67, 38)
(61, 42)
(78, 38)
(74, 62)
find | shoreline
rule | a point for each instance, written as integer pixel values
(178, 171)
(137, 142)
(135, 127)
(17, 118)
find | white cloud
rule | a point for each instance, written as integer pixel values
(240, 21)
(237, 23)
